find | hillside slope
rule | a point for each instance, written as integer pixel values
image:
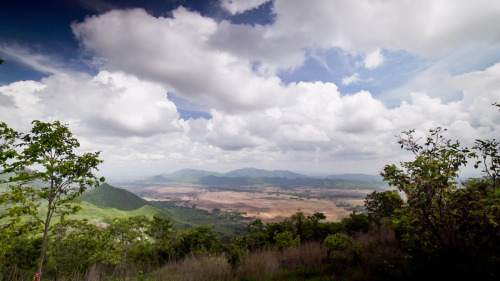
(107, 196)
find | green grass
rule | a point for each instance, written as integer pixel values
(107, 201)
(107, 196)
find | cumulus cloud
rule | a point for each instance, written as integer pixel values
(175, 52)
(316, 129)
(424, 28)
(233, 67)
(107, 104)
(240, 6)
(256, 118)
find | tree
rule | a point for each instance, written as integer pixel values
(1, 61)
(337, 242)
(380, 205)
(356, 223)
(285, 239)
(15, 203)
(128, 232)
(47, 168)
(428, 182)
(198, 240)
(75, 246)
(160, 230)
(442, 224)
(257, 235)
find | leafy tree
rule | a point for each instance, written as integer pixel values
(236, 252)
(453, 227)
(337, 242)
(428, 182)
(286, 239)
(356, 223)
(198, 240)
(160, 230)
(47, 161)
(1, 61)
(20, 257)
(18, 201)
(257, 235)
(127, 232)
(489, 160)
(75, 246)
(380, 205)
(313, 229)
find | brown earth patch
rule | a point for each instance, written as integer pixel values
(263, 205)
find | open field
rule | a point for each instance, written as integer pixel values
(267, 203)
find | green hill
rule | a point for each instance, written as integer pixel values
(107, 196)
(109, 201)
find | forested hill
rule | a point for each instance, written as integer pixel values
(107, 196)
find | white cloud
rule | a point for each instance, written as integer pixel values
(240, 6)
(315, 129)
(109, 104)
(346, 81)
(423, 28)
(257, 120)
(175, 52)
(374, 59)
(36, 61)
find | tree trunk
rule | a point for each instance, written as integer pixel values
(38, 273)
(124, 258)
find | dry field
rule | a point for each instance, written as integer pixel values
(268, 203)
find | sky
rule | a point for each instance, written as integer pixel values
(317, 86)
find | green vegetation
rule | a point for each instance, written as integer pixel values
(107, 196)
(107, 201)
(45, 156)
(442, 225)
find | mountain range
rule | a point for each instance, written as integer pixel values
(253, 176)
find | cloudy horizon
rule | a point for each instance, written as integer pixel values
(307, 86)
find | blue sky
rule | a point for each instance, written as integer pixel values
(310, 86)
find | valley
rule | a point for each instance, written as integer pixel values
(252, 193)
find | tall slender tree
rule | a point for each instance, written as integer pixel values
(47, 169)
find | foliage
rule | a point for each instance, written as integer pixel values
(20, 258)
(107, 196)
(160, 231)
(46, 158)
(198, 240)
(285, 239)
(380, 205)
(236, 252)
(336, 242)
(77, 245)
(356, 223)
(127, 232)
(442, 225)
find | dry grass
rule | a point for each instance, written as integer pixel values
(193, 268)
(374, 256)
